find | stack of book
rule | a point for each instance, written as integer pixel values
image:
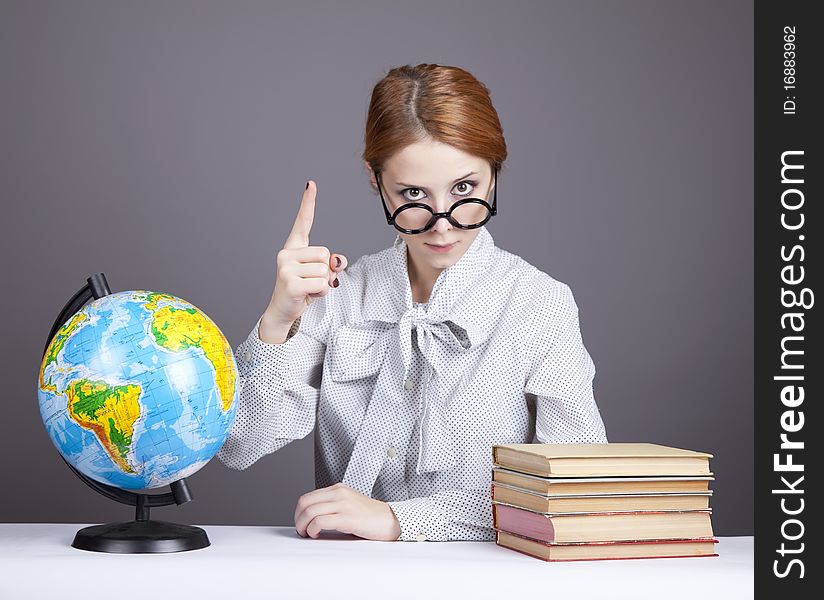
(562, 502)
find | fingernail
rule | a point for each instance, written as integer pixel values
(336, 283)
(337, 260)
(307, 185)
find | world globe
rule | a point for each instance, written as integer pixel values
(138, 389)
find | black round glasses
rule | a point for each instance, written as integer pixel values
(417, 217)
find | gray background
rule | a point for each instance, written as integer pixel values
(167, 145)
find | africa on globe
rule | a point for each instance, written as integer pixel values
(138, 389)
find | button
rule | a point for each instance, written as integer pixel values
(421, 537)
(409, 384)
(247, 356)
(391, 452)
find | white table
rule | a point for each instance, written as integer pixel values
(37, 561)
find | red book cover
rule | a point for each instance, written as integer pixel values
(541, 526)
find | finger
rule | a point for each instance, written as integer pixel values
(296, 287)
(324, 494)
(307, 254)
(312, 511)
(313, 285)
(312, 269)
(299, 235)
(338, 262)
(327, 494)
(338, 522)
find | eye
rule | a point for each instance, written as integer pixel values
(412, 194)
(465, 187)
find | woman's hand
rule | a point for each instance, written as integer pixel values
(341, 508)
(304, 272)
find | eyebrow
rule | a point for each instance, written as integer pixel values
(423, 188)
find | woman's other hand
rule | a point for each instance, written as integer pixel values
(341, 508)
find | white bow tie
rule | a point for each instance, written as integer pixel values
(428, 328)
(361, 351)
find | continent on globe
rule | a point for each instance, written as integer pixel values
(63, 334)
(177, 329)
(109, 411)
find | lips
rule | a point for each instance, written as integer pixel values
(442, 248)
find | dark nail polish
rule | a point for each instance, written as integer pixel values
(336, 283)
(307, 185)
(337, 260)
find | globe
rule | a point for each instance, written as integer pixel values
(138, 389)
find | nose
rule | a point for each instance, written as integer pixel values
(441, 225)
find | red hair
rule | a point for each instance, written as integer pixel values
(447, 104)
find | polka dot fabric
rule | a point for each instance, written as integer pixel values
(406, 399)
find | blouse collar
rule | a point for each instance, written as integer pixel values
(388, 293)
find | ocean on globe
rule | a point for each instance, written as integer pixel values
(138, 389)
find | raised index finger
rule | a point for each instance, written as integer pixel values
(299, 235)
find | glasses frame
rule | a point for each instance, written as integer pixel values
(391, 218)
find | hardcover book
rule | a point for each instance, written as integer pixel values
(607, 550)
(602, 527)
(569, 503)
(601, 485)
(600, 460)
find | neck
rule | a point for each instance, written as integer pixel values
(421, 280)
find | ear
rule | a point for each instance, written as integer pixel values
(372, 181)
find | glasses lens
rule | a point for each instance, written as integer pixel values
(470, 213)
(413, 218)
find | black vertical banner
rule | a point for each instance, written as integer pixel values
(788, 335)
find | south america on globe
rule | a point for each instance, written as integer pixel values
(138, 389)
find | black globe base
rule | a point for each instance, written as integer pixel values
(141, 537)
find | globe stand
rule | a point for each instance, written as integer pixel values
(141, 536)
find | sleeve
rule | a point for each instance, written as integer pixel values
(446, 516)
(560, 378)
(280, 388)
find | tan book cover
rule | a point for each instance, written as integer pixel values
(607, 550)
(585, 460)
(601, 485)
(600, 503)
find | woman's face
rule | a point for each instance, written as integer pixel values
(438, 175)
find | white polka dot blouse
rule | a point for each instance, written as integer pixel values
(406, 399)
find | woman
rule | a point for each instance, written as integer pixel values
(412, 362)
